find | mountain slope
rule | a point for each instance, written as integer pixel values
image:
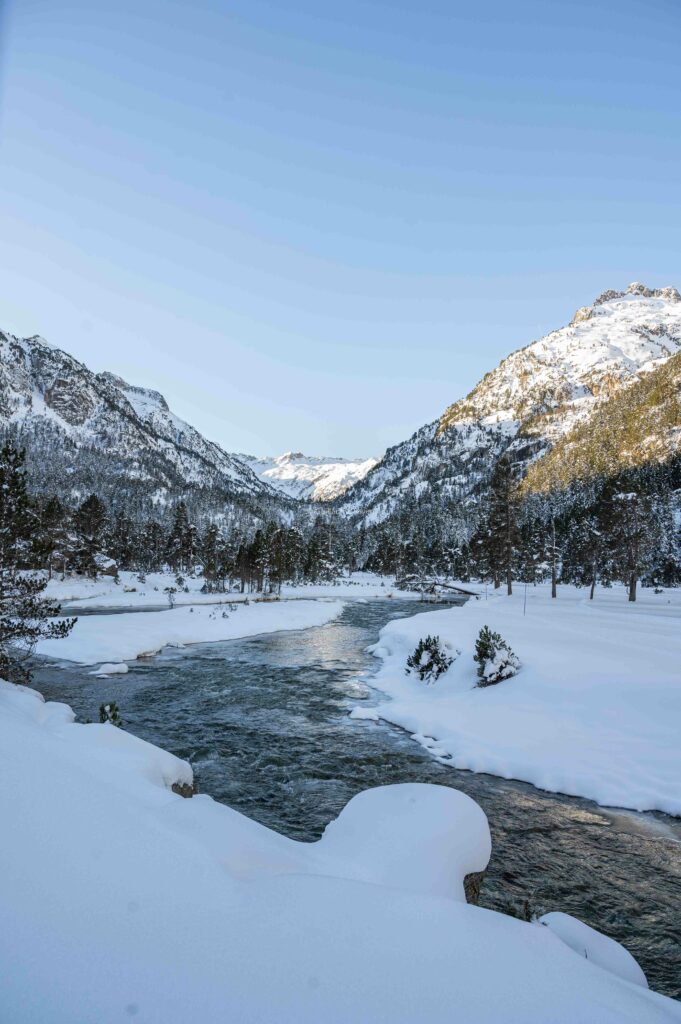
(94, 432)
(310, 477)
(635, 426)
(533, 397)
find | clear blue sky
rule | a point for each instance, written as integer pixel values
(313, 225)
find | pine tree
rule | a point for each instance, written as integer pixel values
(25, 616)
(90, 520)
(502, 522)
(176, 547)
(630, 535)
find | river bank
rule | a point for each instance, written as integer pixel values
(265, 723)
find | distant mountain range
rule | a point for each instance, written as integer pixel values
(310, 477)
(594, 396)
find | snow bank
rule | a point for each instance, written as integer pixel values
(118, 638)
(595, 710)
(593, 946)
(104, 593)
(121, 900)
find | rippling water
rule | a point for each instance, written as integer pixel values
(264, 722)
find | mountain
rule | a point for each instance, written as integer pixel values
(87, 432)
(536, 396)
(634, 427)
(309, 477)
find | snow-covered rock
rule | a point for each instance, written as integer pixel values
(535, 396)
(304, 476)
(111, 669)
(120, 901)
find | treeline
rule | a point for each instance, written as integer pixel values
(90, 539)
(617, 529)
(623, 528)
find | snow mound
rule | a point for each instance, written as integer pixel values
(412, 836)
(111, 669)
(595, 947)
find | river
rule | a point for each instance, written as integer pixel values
(264, 723)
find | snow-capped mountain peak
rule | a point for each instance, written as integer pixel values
(535, 396)
(555, 379)
(319, 478)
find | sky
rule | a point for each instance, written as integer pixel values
(315, 225)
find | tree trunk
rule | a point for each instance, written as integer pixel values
(632, 587)
(554, 591)
(509, 581)
(593, 588)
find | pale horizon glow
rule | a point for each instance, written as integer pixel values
(312, 229)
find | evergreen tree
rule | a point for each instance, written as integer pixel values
(89, 520)
(501, 523)
(176, 547)
(25, 615)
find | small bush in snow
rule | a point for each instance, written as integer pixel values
(496, 660)
(109, 713)
(429, 660)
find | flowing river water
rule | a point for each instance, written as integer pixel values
(264, 722)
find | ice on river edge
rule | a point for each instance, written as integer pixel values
(121, 899)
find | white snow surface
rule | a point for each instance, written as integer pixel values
(111, 669)
(104, 593)
(319, 478)
(595, 710)
(593, 946)
(122, 637)
(121, 900)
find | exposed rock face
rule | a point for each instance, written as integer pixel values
(68, 401)
(582, 314)
(472, 884)
(185, 789)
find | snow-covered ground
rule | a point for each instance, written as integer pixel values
(128, 635)
(105, 594)
(595, 710)
(122, 901)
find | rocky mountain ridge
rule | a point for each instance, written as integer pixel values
(309, 477)
(95, 432)
(535, 396)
